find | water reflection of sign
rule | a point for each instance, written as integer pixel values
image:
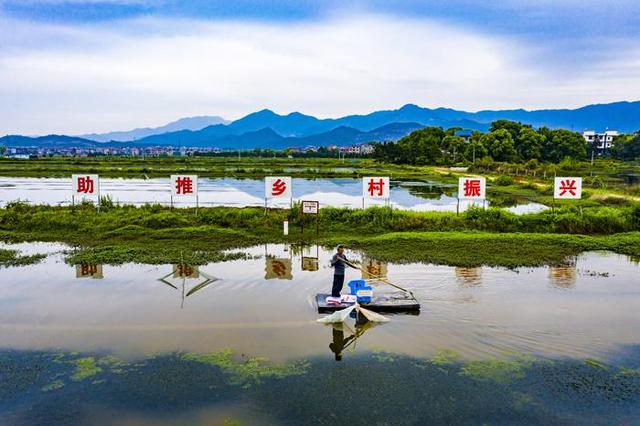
(278, 269)
(182, 273)
(310, 207)
(567, 188)
(472, 188)
(469, 276)
(184, 185)
(563, 276)
(310, 264)
(89, 270)
(375, 187)
(277, 187)
(185, 271)
(373, 269)
(86, 186)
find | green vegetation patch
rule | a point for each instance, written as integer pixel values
(12, 258)
(250, 371)
(446, 357)
(154, 234)
(491, 249)
(55, 385)
(496, 370)
(85, 368)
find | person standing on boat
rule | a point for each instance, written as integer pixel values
(338, 262)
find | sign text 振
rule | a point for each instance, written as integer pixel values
(472, 188)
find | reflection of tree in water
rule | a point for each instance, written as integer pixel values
(427, 190)
(563, 276)
(468, 277)
(500, 199)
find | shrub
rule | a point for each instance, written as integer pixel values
(595, 182)
(635, 216)
(503, 180)
(106, 202)
(163, 220)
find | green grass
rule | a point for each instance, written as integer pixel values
(492, 249)
(13, 258)
(245, 167)
(154, 234)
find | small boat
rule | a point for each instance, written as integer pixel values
(394, 302)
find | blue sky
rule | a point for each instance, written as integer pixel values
(99, 65)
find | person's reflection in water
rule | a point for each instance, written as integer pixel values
(339, 342)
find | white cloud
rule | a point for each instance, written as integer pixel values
(146, 72)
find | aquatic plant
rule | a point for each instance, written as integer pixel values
(497, 370)
(85, 367)
(55, 385)
(250, 371)
(445, 357)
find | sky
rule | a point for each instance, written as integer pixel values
(83, 66)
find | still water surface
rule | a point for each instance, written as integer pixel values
(408, 195)
(509, 336)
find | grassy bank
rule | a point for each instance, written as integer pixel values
(13, 258)
(491, 249)
(155, 234)
(245, 167)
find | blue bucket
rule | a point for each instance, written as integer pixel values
(361, 290)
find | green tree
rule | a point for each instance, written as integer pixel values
(500, 145)
(475, 150)
(627, 147)
(531, 144)
(513, 127)
(453, 147)
(422, 146)
(565, 143)
(451, 131)
(3, 149)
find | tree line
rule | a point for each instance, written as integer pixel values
(506, 141)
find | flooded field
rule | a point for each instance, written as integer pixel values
(409, 195)
(237, 343)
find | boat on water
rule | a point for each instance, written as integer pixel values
(393, 302)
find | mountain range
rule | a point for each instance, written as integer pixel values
(188, 123)
(266, 129)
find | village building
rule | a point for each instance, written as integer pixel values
(601, 142)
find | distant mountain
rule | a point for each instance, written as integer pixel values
(204, 137)
(266, 129)
(622, 116)
(290, 125)
(267, 138)
(189, 123)
(53, 141)
(264, 138)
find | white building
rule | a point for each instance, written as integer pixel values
(364, 149)
(602, 142)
